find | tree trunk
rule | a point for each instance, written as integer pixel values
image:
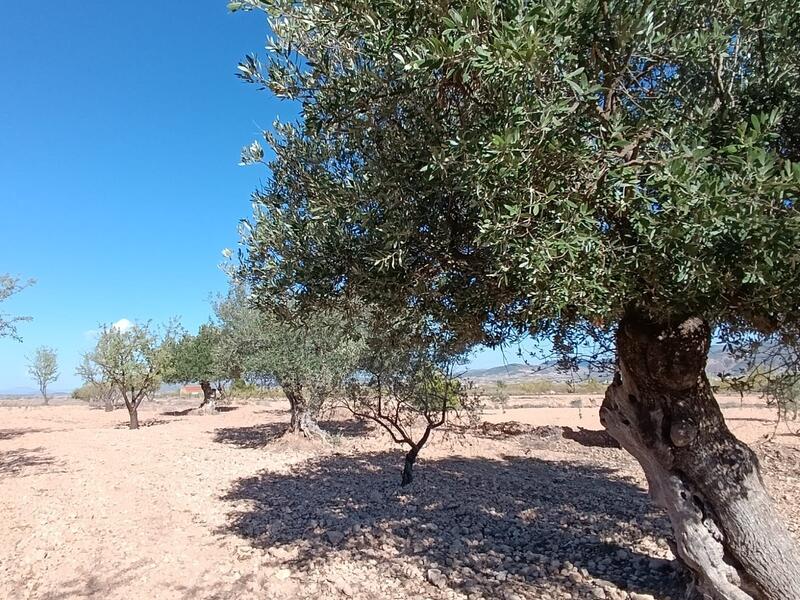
(134, 415)
(209, 396)
(302, 419)
(661, 409)
(44, 395)
(408, 467)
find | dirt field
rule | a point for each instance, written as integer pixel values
(223, 507)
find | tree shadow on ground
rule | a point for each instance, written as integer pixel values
(272, 411)
(598, 438)
(179, 413)
(350, 428)
(505, 430)
(23, 462)
(258, 436)
(252, 436)
(87, 584)
(10, 434)
(196, 410)
(242, 588)
(511, 522)
(142, 424)
(594, 438)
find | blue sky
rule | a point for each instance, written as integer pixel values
(119, 180)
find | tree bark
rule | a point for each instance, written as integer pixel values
(408, 466)
(209, 396)
(661, 409)
(133, 412)
(302, 419)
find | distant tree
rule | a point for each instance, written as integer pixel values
(500, 396)
(130, 361)
(95, 388)
(307, 355)
(191, 358)
(8, 287)
(43, 367)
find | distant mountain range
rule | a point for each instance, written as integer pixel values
(718, 361)
(30, 391)
(523, 372)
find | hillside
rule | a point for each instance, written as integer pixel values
(718, 361)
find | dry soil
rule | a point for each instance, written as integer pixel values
(222, 506)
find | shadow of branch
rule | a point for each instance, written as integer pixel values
(10, 434)
(23, 462)
(258, 436)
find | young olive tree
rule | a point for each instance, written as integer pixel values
(43, 368)
(131, 361)
(191, 358)
(547, 168)
(405, 384)
(8, 323)
(307, 355)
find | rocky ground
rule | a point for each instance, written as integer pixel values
(224, 507)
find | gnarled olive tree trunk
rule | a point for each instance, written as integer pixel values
(209, 396)
(661, 409)
(302, 420)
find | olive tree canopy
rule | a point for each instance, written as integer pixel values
(132, 361)
(308, 355)
(559, 168)
(43, 368)
(192, 358)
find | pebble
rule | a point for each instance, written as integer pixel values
(335, 537)
(436, 577)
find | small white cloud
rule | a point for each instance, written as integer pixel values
(122, 325)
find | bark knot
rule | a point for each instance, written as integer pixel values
(682, 433)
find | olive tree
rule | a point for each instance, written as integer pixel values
(191, 358)
(43, 367)
(307, 355)
(405, 381)
(622, 169)
(8, 323)
(131, 361)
